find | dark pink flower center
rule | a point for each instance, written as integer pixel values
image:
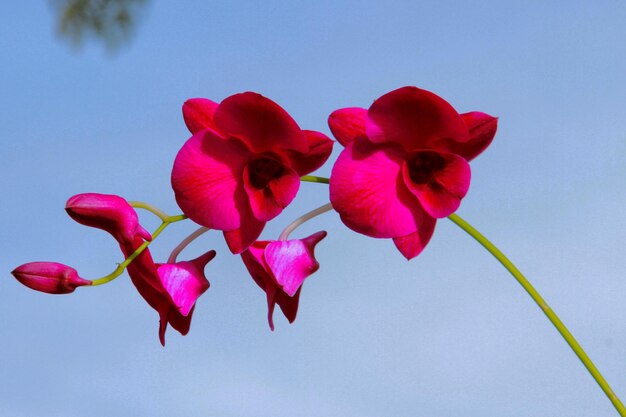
(263, 170)
(424, 165)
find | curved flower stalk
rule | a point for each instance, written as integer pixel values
(242, 166)
(280, 267)
(405, 164)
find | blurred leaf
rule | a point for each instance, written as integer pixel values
(111, 22)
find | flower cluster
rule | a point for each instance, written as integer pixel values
(405, 164)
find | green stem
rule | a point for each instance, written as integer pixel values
(167, 220)
(312, 178)
(554, 319)
(140, 204)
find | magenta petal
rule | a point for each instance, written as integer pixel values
(288, 305)
(198, 114)
(253, 259)
(262, 124)
(49, 277)
(170, 315)
(206, 179)
(367, 190)
(180, 323)
(348, 124)
(414, 118)
(320, 148)
(271, 291)
(482, 129)
(442, 194)
(284, 189)
(185, 281)
(162, 329)
(412, 245)
(291, 261)
(239, 240)
(268, 202)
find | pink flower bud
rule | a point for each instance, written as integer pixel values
(49, 277)
(107, 212)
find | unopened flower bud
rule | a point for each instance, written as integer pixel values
(108, 212)
(49, 277)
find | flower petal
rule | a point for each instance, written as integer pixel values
(198, 114)
(207, 180)
(412, 245)
(262, 124)
(482, 129)
(185, 281)
(442, 194)
(288, 305)
(414, 118)
(367, 190)
(320, 148)
(254, 261)
(291, 261)
(348, 124)
(179, 322)
(268, 202)
(239, 240)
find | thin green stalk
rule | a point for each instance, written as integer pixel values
(554, 319)
(140, 204)
(167, 220)
(312, 178)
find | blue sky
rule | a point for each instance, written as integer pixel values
(448, 334)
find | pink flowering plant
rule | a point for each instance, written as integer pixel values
(405, 163)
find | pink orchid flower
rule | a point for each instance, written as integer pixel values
(242, 166)
(405, 164)
(171, 289)
(49, 277)
(280, 267)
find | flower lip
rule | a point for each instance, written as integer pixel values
(423, 165)
(263, 170)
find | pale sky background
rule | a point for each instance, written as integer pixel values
(448, 334)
